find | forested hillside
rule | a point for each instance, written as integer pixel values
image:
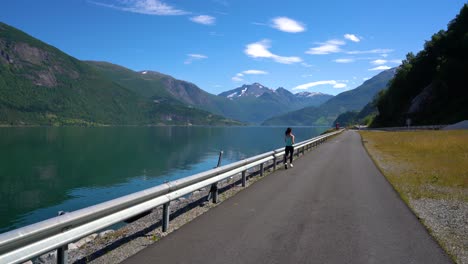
(41, 85)
(432, 86)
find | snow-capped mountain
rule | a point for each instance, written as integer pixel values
(256, 98)
(245, 90)
(257, 90)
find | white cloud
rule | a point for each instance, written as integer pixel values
(238, 77)
(365, 78)
(384, 51)
(331, 46)
(306, 65)
(287, 25)
(260, 50)
(312, 84)
(344, 60)
(380, 68)
(384, 55)
(396, 61)
(352, 37)
(254, 72)
(197, 56)
(286, 60)
(379, 62)
(193, 57)
(204, 19)
(147, 7)
(339, 85)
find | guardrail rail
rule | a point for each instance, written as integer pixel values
(26, 243)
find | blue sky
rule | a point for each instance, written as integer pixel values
(302, 45)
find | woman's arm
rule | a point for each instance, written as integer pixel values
(293, 139)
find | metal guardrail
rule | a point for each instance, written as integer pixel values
(28, 242)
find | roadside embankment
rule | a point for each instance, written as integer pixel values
(429, 169)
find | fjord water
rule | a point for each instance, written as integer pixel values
(44, 170)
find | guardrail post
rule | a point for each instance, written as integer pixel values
(62, 255)
(244, 178)
(274, 162)
(214, 187)
(62, 252)
(213, 194)
(165, 218)
(262, 169)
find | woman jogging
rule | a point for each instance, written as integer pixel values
(289, 141)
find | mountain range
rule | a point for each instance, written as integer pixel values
(325, 114)
(257, 90)
(41, 85)
(259, 102)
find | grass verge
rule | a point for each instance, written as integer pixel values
(429, 169)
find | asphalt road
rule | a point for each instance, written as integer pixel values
(334, 206)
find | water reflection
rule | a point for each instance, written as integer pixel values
(44, 170)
